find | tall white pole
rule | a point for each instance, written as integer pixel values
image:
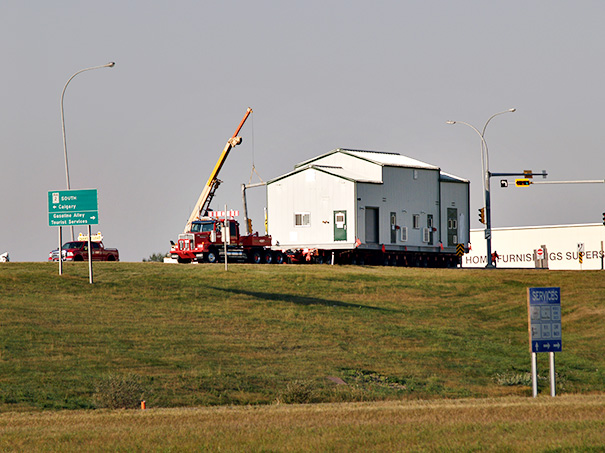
(89, 255)
(486, 182)
(534, 374)
(226, 235)
(111, 64)
(552, 374)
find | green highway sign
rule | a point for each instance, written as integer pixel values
(73, 207)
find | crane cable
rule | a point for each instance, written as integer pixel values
(253, 166)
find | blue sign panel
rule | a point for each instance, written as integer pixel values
(544, 306)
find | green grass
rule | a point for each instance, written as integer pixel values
(255, 335)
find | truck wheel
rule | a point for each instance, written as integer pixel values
(211, 256)
(78, 258)
(267, 257)
(111, 258)
(256, 257)
(278, 258)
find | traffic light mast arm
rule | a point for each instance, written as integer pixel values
(586, 181)
(527, 175)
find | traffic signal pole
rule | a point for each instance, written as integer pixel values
(486, 181)
(488, 218)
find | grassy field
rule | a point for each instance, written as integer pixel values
(192, 336)
(567, 423)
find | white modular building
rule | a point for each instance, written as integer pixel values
(556, 247)
(365, 200)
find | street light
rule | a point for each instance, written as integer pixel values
(111, 64)
(486, 181)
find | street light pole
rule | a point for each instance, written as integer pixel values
(111, 64)
(486, 182)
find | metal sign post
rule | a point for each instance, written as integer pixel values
(89, 257)
(226, 235)
(544, 320)
(223, 217)
(60, 251)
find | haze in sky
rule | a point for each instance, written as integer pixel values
(319, 75)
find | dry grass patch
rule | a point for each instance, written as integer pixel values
(573, 423)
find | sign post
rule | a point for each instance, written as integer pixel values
(544, 319)
(225, 226)
(73, 207)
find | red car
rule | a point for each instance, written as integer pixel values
(78, 251)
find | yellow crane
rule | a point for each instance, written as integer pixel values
(203, 202)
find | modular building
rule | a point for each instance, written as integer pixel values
(557, 247)
(348, 200)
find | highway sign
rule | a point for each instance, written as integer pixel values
(544, 313)
(73, 207)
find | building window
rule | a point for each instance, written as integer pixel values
(416, 221)
(302, 219)
(404, 233)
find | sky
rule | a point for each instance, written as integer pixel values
(319, 75)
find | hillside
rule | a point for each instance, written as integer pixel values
(197, 335)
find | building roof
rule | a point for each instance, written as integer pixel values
(451, 178)
(377, 157)
(334, 171)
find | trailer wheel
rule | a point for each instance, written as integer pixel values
(211, 256)
(278, 258)
(256, 257)
(267, 257)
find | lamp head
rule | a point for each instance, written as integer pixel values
(111, 64)
(512, 110)
(450, 122)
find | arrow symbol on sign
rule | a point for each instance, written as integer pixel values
(537, 345)
(547, 345)
(93, 217)
(557, 345)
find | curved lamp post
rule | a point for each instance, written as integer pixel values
(111, 64)
(486, 181)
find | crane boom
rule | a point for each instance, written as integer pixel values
(203, 202)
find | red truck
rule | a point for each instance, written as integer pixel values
(204, 243)
(202, 238)
(78, 251)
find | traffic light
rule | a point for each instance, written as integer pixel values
(482, 215)
(604, 218)
(523, 182)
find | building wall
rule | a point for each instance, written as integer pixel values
(317, 194)
(516, 246)
(405, 192)
(455, 195)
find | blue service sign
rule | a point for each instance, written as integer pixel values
(544, 312)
